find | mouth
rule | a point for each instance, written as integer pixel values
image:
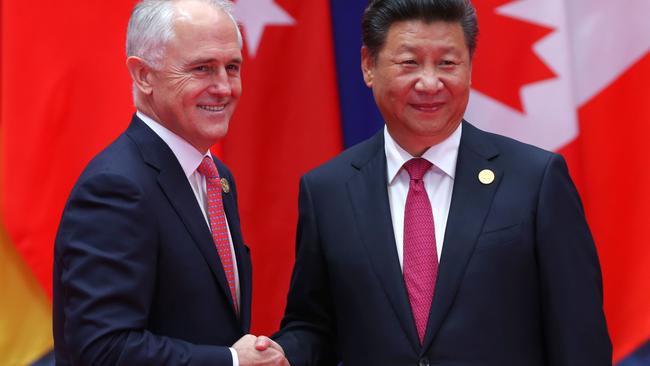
(212, 108)
(427, 107)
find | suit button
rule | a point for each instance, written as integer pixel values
(423, 362)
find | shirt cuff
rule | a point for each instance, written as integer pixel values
(235, 359)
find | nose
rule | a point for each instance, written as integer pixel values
(220, 84)
(428, 82)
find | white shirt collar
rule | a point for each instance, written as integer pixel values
(442, 155)
(188, 156)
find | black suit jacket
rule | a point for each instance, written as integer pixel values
(137, 278)
(518, 284)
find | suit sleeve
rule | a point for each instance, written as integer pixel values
(307, 329)
(105, 256)
(571, 284)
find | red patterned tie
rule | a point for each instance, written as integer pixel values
(420, 254)
(217, 219)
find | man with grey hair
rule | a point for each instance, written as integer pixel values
(150, 267)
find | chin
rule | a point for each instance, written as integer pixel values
(214, 137)
(215, 127)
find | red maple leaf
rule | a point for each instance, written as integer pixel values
(504, 61)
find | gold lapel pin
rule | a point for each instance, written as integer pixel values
(225, 186)
(486, 176)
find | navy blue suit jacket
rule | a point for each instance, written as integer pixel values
(137, 278)
(519, 281)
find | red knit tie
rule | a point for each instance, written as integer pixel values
(217, 220)
(420, 254)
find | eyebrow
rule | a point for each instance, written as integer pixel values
(444, 49)
(405, 48)
(236, 60)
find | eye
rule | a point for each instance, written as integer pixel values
(233, 68)
(202, 68)
(447, 63)
(408, 62)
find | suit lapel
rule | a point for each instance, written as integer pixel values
(176, 188)
(471, 201)
(369, 196)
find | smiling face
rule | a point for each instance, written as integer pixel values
(420, 80)
(195, 91)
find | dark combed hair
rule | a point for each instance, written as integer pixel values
(381, 14)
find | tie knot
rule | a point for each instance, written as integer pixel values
(416, 168)
(208, 169)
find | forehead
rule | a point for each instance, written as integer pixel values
(198, 25)
(419, 34)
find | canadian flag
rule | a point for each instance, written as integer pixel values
(573, 76)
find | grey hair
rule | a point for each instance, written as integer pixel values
(151, 27)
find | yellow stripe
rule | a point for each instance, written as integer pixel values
(25, 310)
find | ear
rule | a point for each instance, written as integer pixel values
(367, 66)
(140, 74)
(470, 73)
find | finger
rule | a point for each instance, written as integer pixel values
(263, 343)
(275, 346)
(285, 362)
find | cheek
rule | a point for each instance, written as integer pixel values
(401, 87)
(235, 88)
(459, 84)
(193, 92)
(461, 93)
(403, 97)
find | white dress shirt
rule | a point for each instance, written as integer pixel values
(438, 181)
(190, 159)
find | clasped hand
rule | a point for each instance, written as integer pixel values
(259, 351)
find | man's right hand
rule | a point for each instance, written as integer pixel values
(259, 351)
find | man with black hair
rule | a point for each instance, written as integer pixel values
(433, 242)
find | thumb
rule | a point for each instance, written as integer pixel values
(262, 343)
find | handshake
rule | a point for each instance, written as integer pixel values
(254, 351)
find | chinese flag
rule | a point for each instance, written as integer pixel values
(64, 95)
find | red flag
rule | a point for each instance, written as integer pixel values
(612, 171)
(572, 76)
(286, 123)
(65, 95)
